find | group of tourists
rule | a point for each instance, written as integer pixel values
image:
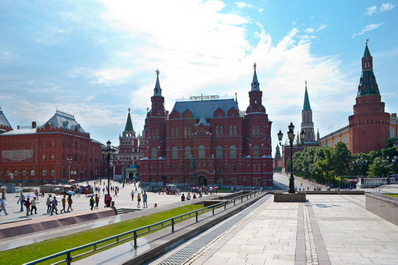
(140, 196)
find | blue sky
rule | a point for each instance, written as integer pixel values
(95, 59)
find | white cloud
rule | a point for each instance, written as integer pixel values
(367, 28)
(213, 56)
(112, 76)
(244, 5)
(309, 30)
(370, 10)
(386, 7)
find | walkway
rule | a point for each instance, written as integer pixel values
(328, 229)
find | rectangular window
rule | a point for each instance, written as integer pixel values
(230, 130)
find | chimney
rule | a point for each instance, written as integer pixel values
(33, 125)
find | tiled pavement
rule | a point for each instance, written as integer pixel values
(328, 229)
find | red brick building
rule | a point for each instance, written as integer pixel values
(370, 125)
(207, 142)
(129, 152)
(54, 152)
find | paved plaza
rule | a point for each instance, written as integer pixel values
(328, 229)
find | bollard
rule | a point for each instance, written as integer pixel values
(172, 225)
(68, 258)
(135, 239)
(197, 214)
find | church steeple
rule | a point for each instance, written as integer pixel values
(367, 82)
(307, 105)
(129, 124)
(255, 83)
(157, 91)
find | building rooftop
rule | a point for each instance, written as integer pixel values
(207, 107)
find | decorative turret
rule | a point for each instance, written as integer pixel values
(4, 124)
(157, 91)
(129, 124)
(367, 83)
(306, 115)
(157, 100)
(255, 95)
(369, 126)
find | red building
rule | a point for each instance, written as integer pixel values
(54, 152)
(129, 153)
(207, 142)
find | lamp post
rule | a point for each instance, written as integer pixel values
(108, 152)
(290, 135)
(69, 159)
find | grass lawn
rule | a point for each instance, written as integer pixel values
(45, 248)
(392, 195)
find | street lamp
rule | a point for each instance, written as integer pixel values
(69, 159)
(109, 153)
(290, 135)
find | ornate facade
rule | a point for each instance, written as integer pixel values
(208, 142)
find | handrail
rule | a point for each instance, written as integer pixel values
(146, 229)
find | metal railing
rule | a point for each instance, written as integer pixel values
(135, 233)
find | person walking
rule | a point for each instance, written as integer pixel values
(27, 204)
(70, 201)
(54, 206)
(132, 195)
(21, 201)
(33, 206)
(145, 200)
(3, 206)
(97, 199)
(182, 197)
(138, 200)
(92, 201)
(49, 203)
(63, 201)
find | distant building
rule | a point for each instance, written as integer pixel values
(370, 125)
(55, 152)
(129, 152)
(205, 141)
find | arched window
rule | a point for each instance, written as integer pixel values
(187, 152)
(23, 173)
(201, 151)
(32, 173)
(392, 132)
(52, 173)
(256, 151)
(44, 173)
(153, 153)
(7, 173)
(232, 151)
(219, 152)
(174, 153)
(15, 173)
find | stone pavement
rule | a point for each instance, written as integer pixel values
(327, 229)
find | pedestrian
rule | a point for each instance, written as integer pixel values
(138, 200)
(27, 204)
(3, 196)
(182, 197)
(70, 201)
(132, 195)
(33, 206)
(97, 198)
(3, 206)
(49, 203)
(63, 204)
(145, 200)
(92, 201)
(37, 195)
(54, 204)
(188, 196)
(21, 201)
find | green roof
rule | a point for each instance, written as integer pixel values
(129, 124)
(307, 105)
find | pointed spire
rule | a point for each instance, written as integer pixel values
(318, 135)
(277, 152)
(129, 124)
(366, 53)
(157, 91)
(255, 83)
(307, 105)
(236, 97)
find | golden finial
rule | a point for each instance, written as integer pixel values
(157, 72)
(147, 109)
(129, 109)
(255, 66)
(305, 83)
(367, 40)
